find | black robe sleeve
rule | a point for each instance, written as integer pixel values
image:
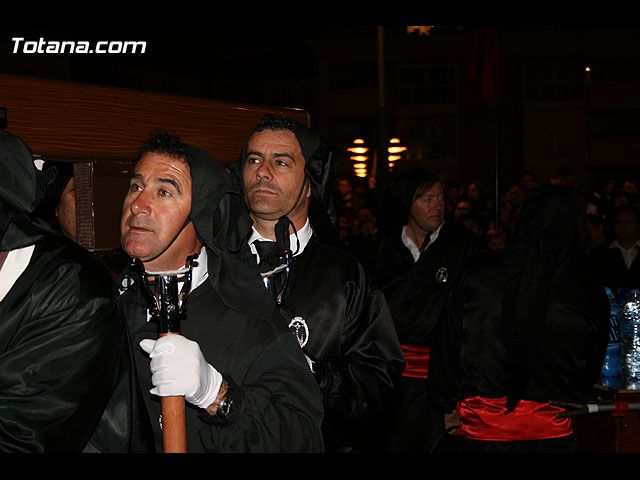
(351, 340)
(276, 408)
(61, 351)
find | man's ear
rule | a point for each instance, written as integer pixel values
(308, 183)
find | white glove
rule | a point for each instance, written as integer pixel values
(178, 368)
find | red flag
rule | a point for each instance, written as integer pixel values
(484, 61)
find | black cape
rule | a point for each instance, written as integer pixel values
(67, 382)
(416, 291)
(344, 326)
(468, 353)
(528, 323)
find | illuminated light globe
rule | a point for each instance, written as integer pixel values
(360, 157)
(395, 151)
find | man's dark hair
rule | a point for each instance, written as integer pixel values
(164, 143)
(272, 121)
(429, 180)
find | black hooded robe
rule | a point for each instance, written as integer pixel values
(343, 322)
(348, 334)
(529, 324)
(67, 380)
(277, 405)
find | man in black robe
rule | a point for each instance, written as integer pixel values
(245, 381)
(342, 322)
(522, 327)
(67, 379)
(419, 256)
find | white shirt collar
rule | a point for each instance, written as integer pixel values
(413, 248)
(199, 272)
(628, 254)
(303, 235)
(410, 244)
(14, 265)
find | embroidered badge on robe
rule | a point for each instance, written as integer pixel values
(300, 329)
(442, 275)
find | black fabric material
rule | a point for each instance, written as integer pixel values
(350, 338)
(269, 254)
(67, 382)
(550, 232)
(21, 189)
(561, 353)
(218, 211)
(609, 268)
(468, 356)
(416, 426)
(277, 405)
(61, 173)
(413, 292)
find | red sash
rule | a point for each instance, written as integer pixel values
(416, 361)
(485, 419)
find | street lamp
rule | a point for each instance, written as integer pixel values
(395, 151)
(360, 157)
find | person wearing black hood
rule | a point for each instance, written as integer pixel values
(58, 204)
(245, 381)
(67, 378)
(523, 327)
(418, 257)
(341, 322)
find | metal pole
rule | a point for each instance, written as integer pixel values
(380, 165)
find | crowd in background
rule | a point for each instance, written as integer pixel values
(474, 206)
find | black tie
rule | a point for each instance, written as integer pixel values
(270, 258)
(269, 255)
(425, 242)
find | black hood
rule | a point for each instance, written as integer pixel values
(61, 173)
(399, 197)
(222, 222)
(550, 234)
(321, 162)
(218, 211)
(21, 189)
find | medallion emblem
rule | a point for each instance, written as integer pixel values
(300, 329)
(442, 275)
